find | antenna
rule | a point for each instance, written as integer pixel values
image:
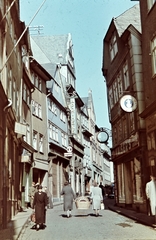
(36, 30)
(21, 36)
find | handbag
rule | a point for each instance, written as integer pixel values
(33, 217)
(102, 206)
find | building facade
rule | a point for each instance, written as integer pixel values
(122, 69)
(148, 20)
(46, 127)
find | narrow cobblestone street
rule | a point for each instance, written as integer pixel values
(83, 225)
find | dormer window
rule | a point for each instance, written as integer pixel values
(113, 48)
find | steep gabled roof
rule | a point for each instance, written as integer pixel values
(54, 47)
(131, 16)
(38, 54)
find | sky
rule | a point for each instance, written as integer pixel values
(88, 22)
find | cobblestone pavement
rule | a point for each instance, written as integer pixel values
(83, 225)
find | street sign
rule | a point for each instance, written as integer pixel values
(69, 149)
(68, 154)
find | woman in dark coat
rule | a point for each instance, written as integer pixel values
(40, 206)
(69, 196)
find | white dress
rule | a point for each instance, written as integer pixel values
(97, 197)
(151, 195)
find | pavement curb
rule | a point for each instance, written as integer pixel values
(129, 215)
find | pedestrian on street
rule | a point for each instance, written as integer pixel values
(32, 191)
(40, 207)
(68, 197)
(49, 198)
(151, 194)
(103, 190)
(96, 198)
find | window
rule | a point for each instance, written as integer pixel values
(153, 50)
(64, 139)
(120, 87)
(27, 136)
(53, 132)
(54, 108)
(111, 98)
(40, 111)
(115, 92)
(28, 133)
(62, 116)
(35, 140)
(150, 3)
(50, 131)
(36, 81)
(33, 106)
(113, 48)
(40, 84)
(36, 108)
(26, 94)
(41, 143)
(151, 141)
(126, 75)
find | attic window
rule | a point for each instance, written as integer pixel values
(113, 48)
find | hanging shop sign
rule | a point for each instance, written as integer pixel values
(69, 152)
(128, 103)
(102, 136)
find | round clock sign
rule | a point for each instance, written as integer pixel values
(128, 103)
(102, 136)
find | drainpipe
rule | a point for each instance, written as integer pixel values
(7, 106)
(4, 169)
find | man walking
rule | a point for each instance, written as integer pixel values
(151, 194)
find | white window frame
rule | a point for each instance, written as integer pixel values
(111, 100)
(153, 50)
(126, 75)
(115, 91)
(50, 131)
(36, 108)
(120, 84)
(113, 47)
(41, 143)
(55, 133)
(33, 106)
(28, 133)
(35, 140)
(39, 111)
